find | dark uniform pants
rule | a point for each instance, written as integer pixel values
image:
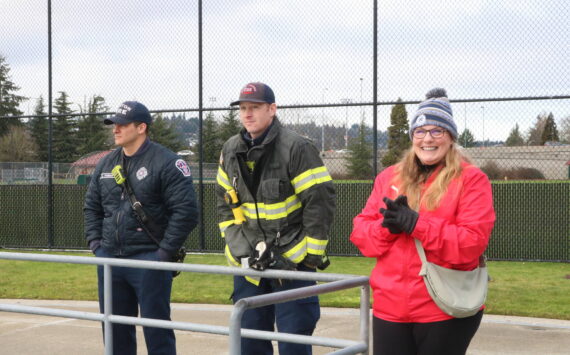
(149, 289)
(297, 317)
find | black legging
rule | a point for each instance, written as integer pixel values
(449, 337)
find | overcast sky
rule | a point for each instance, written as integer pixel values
(307, 51)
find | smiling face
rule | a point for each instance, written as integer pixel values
(256, 116)
(430, 150)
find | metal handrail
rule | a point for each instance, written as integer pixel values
(335, 282)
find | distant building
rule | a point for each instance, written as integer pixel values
(86, 164)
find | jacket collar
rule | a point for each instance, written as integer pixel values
(266, 138)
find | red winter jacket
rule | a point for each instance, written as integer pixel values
(454, 236)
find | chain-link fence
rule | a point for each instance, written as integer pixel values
(338, 69)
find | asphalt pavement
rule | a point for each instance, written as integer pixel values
(24, 334)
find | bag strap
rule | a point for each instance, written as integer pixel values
(421, 251)
(142, 217)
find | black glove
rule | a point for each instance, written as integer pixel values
(399, 216)
(393, 228)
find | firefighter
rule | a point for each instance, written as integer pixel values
(275, 202)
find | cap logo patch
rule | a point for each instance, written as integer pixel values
(249, 89)
(123, 110)
(421, 120)
(142, 173)
(183, 167)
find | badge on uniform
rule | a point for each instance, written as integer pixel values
(183, 167)
(142, 173)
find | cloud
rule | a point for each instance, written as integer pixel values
(149, 51)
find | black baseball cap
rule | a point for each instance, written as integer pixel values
(130, 111)
(255, 92)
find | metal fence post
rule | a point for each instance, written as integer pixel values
(108, 302)
(235, 327)
(364, 316)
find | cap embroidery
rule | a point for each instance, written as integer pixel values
(249, 89)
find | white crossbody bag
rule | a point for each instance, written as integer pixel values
(458, 293)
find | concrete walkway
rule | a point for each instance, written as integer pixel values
(24, 334)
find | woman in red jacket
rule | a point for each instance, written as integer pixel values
(434, 194)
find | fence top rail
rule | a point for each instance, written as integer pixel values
(160, 265)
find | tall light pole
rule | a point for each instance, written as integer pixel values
(323, 123)
(483, 118)
(346, 102)
(465, 125)
(361, 107)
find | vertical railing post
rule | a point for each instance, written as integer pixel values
(108, 304)
(235, 327)
(365, 316)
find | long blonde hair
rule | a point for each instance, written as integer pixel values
(410, 178)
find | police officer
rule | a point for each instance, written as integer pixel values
(275, 201)
(162, 183)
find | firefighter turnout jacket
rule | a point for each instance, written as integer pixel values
(285, 197)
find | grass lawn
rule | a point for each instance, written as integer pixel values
(517, 288)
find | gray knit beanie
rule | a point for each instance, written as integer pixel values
(436, 111)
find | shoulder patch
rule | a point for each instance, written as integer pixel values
(183, 167)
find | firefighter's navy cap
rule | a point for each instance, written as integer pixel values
(130, 111)
(255, 92)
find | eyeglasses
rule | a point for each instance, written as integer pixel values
(434, 133)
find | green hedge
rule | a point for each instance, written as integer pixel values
(533, 219)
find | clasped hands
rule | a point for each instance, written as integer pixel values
(398, 216)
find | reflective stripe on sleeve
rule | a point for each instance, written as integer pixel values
(222, 179)
(305, 246)
(223, 226)
(311, 177)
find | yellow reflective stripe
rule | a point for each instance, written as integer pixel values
(316, 246)
(306, 246)
(233, 262)
(272, 211)
(222, 179)
(230, 258)
(224, 225)
(311, 177)
(250, 165)
(253, 280)
(298, 252)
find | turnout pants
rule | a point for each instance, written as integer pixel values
(297, 317)
(134, 288)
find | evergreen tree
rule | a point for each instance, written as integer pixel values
(211, 143)
(565, 130)
(398, 139)
(466, 139)
(360, 153)
(64, 131)
(534, 135)
(92, 134)
(17, 146)
(550, 132)
(515, 138)
(39, 130)
(162, 132)
(230, 126)
(9, 101)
